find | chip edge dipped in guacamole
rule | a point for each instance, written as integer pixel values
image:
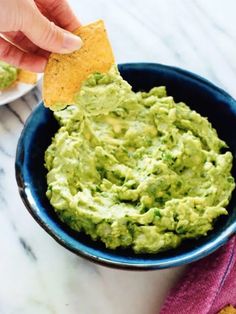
(8, 75)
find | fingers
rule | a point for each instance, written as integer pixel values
(47, 35)
(28, 61)
(60, 12)
(20, 40)
(29, 47)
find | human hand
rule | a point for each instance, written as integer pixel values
(31, 29)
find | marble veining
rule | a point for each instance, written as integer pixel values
(38, 276)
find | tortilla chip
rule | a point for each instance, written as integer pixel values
(27, 77)
(65, 73)
(228, 310)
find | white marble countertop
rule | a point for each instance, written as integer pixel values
(38, 276)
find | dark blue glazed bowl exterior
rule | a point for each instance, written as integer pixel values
(199, 94)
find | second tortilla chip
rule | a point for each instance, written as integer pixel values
(65, 73)
(27, 77)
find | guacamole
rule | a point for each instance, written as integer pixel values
(136, 169)
(8, 75)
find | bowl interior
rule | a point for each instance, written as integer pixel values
(200, 95)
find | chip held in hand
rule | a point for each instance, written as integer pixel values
(65, 73)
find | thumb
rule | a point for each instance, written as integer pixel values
(47, 35)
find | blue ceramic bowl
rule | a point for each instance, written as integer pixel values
(199, 94)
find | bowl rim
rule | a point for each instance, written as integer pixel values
(77, 247)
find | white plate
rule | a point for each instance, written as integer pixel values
(16, 91)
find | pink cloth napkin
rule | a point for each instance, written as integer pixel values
(207, 285)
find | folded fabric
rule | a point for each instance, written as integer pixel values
(207, 285)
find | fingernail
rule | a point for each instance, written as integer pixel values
(71, 43)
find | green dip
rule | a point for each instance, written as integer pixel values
(136, 169)
(8, 75)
